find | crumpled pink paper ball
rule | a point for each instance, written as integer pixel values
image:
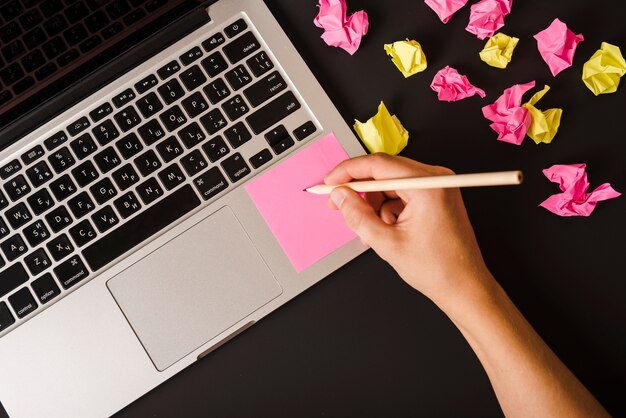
(452, 86)
(339, 30)
(557, 45)
(510, 120)
(487, 16)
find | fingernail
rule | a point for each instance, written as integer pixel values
(337, 196)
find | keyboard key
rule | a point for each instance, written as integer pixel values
(191, 55)
(193, 163)
(273, 112)
(147, 163)
(191, 135)
(85, 173)
(13, 50)
(4, 202)
(141, 227)
(235, 167)
(129, 146)
(14, 247)
(238, 77)
(216, 91)
(215, 149)
(168, 70)
(213, 121)
(9, 169)
(4, 229)
(127, 119)
(33, 60)
(96, 21)
(117, 8)
(10, 31)
(61, 160)
(151, 132)
(17, 188)
(40, 201)
(214, 64)
(54, 47)
(18, 215)
(171, 91)
(50, 7)
(264, 89)
(39, 173)
(58, 219)
(127, 205)
(5, 95)
(45, 288)
(195, 104)
(169, 149)
(172, 176)
(241, 47)
(75, 34)
(123, 98)
(283, 145)
(67, 57)
(63, 187)
(149, 190)
(112, 30)
(276, 135)
(125, 177)
(83, 146)
(235, 107)
(12, 277)
(173, 118)
(36, 233)
(101, 112)
(71, 272)
(81, 205)
(103, 191)
(37, 261)
(235, 28)
(260, 158)
(6, 318)
(82, 233)
(237, 135)
(75, 12)
(60, 247)
(146, 84)
(23, 85)
(304, 130)
(78, 126)
(210, 183)
(149, 105)
(55, 140)
(105, 132)
(33, 155)
(213, 42)
(22, 302)
(34, 38)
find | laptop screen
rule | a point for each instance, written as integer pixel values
(47, 46)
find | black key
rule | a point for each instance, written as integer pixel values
(125, 177)
(82, 233)
(149, 190)
(4, 229)
(195, 104)
(60, 247)
(75, 34)
(193, 77)
(214, 64)
(45, 288)
(273, 112)
(63, 187)
(83, 146)
(141, 227)
(5, 96)
(23, 85)
(103, 191)
(191, 135)
(17, 188)
(85, 173)
(55, 25)
(105, 219)
(22, 302)
(168, 70)
(112, 30)
(50, 7)
(147, 163)
(9, 169)
(76, 12)
(213, 42)
(54, 47)
(238, 77)
(6, 318)
(58, 219)
(61, 160)
(30, 19)
(216, 91)
(264, 89)
(71, 272)
(173, 118)
(107, 159)
(241, 47)
(78, 126)
(235, 107)
(215, 149)
(146, 84)
(235, 167)
(276, 135)
(283, 145)
(260, 158)
(304, 130)
(236, 28)
(37, 261)
(127, 205)
(67, 57)
(33, 154)
(101, 112)
(39, 173)
(171, 91)
(10, 31)
(11, 74)
(129, 146)
(40, 201)
(55, 140)
(169, 149)
(237, 135)
(36, 233)
(105, 132)
(89, 44)
(34, 38)
(18, 215)
(191, 55)
(117, 8)
(152, 5)
(134, 17)
(14, 247)
(33, 60)
(124, 98)
(96, 21)
(210, 183)
(193, 163)
(13, 50)
(151, 132)
(171, 176)
(127, 118)
(12, 277)
(3, 201)
(149, 105)
(81, 204)
(213, 121)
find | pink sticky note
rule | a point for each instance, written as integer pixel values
(452, 86)
(574, 201)
(510, 120)
(487, 16)
(339, 30)
(445, 8)
(306, 229)
(557, 45)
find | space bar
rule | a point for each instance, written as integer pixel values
(140, 228)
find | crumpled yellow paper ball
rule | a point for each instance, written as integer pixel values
(382, 132)
(498, 50)
(545, 124)
(604, 69)
(408, 56)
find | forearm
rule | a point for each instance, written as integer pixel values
(527, 377)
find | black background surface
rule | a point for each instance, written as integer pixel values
(363, 343)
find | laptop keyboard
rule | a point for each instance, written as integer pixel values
(155, 151)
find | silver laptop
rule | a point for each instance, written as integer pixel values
(129, 247)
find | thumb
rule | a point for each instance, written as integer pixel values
(359, 215)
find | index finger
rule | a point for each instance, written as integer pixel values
(376, 166)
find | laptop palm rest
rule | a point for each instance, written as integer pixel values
(193, 288)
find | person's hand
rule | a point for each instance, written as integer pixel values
(425, 235)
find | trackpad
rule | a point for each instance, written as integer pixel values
(193, 288)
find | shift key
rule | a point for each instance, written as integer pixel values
(273, 112)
